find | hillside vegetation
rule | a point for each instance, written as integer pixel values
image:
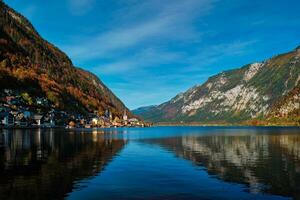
(29, 64)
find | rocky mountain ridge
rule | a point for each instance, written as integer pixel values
(258, 91)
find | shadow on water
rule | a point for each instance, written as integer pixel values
(265, 163)
(38, 164)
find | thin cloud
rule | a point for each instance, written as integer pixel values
(172, 22)
(199, 61)
(144, 60)
(159, 83)
(80, 7)
(157, 89)
(212, 54)
(108, 42)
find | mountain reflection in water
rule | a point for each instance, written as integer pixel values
(266, 163)
(37, 164)
(152, 163)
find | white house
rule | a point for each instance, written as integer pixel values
(38, 119)
(7, 119)
(125, 117)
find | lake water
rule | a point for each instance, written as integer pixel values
(151, 163)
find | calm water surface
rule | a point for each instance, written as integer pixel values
(151, 163)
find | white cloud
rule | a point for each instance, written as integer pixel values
(172, 21)
(141, 61)
(208, 56)
(187, 71)
(136, 46)
(152, 89)
(203, 60)
(117, 40)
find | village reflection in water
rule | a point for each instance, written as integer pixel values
(35, 164)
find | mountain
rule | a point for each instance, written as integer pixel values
(32, 67)
(141, 110)
(260, 91)
(288, 107)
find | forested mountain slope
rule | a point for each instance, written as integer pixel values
(29, 64)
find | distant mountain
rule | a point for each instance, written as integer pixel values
(141, 110)
(29, 64)
(260, 91)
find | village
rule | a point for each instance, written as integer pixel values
(14, 113)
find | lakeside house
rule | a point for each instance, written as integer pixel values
(15, 113)
(125, 118)
(13, 100)
(134, 122)
(7, 119)
(21, 117)
(38, 119)
(21, 121)
(48, 121)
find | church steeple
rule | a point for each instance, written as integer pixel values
(125, 117)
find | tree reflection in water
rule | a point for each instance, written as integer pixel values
(47, 163)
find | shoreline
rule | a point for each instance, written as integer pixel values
(233, 125)
(225, 125)
(68, 128)
(158, 125)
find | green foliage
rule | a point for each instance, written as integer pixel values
(27, 98)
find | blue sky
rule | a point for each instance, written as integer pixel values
(147, 51)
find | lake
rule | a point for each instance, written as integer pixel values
(151, 163)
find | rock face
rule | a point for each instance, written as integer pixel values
(288, 106)
(255, 91)
(30, 64)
